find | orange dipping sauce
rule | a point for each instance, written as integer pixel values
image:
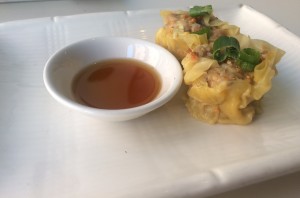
(117, 84)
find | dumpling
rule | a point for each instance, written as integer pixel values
(227, 73)
(183, 33)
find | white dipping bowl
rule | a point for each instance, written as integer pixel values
(65, 64)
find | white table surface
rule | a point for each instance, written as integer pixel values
(285, 13)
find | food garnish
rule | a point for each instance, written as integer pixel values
(200, 10)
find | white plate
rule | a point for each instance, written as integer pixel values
(49, 151)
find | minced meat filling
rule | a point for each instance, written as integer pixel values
(227, 71)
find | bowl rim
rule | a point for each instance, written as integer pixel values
(177, 82)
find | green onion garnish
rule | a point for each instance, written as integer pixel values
(246, 67)
(250, 55)
(248, 59)
(226, 47)
(204, 30)
(200, 11)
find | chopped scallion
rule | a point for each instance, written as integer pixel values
(250, 55)
(248, 59)
(204, 30)
(246, 67)
(226, 47)
(200, 11)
